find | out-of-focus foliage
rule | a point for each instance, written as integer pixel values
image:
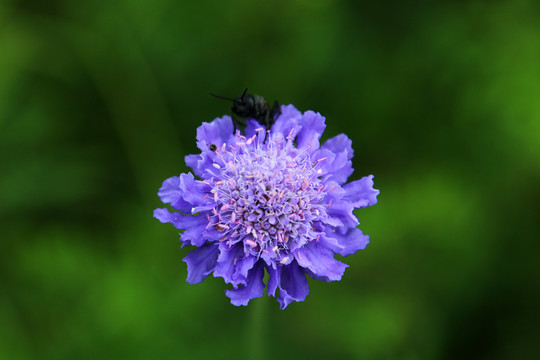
(99, 103)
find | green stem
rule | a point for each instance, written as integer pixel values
(256, 329)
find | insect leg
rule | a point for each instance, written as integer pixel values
(237, 121)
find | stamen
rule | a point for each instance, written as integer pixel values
(251, 243)
(250, 140)
(222, 227)
(290, 135)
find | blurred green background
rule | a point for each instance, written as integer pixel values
(100, 101)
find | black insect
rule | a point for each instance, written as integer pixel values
(252, 106)
(213, 147)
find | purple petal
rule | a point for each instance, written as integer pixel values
(193, 191)
(312, 128)
(288, 121)
(226, 264)
(253, 288)
(294, 285)
(200, 262)
(334, 165)
(251, 125)
(170, 193)
(340, 143)
(320, 260)
(361, 192)
(290, 113)
(325, 162)
(195, 226)
(242, 268)
(349, 242)
(216, 132)
(197, 163)
(328, 240)
(316, 277)
(274, 279)
(335, 191)
(165, 216)
(170, 190)
(184, 194)
(192, 161)
(340, 169)
(343, 211)
(328, 220)
(200, 163)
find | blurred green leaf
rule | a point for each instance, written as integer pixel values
(100, 102)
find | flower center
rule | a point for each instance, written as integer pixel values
(269, 195)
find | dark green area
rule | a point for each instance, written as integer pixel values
(100, 101)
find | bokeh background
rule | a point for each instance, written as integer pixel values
(100, 101)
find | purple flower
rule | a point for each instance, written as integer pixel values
(268, 199)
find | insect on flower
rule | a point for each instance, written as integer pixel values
(252, 106)
(270, 198)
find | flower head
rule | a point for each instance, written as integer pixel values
(271, 199)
